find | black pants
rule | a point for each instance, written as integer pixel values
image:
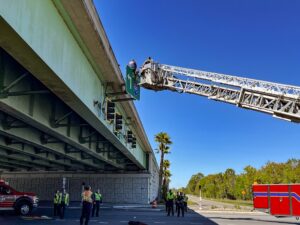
(56, 211)
(86, 212)
(180, 208)
(185, 206)
(170, 205)
(176, 207)
(96, 208)
(62, 208)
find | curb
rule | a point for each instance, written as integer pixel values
(137, 208)
(229, 212)
(71, 207)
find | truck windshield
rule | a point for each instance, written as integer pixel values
(5, 190)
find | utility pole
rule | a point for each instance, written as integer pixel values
(64, 183)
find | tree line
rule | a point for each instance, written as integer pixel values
(229, 185)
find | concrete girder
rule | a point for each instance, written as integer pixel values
(27, 152)
(31, 136)
(26, 155)
(11, 166)
(59, 133)
(14, 166)
(21, 165)
(7, 167)
(61, 142)
(20, 160)
(58, 120)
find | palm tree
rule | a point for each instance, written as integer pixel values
(166, 174)
(164, 142)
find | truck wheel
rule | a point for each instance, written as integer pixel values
(23, 208)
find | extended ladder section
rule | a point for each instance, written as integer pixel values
(282, 101)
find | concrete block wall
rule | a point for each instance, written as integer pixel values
(115, 188)
(154, 177)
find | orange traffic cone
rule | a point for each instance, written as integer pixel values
(154, 204)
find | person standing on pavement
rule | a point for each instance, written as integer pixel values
(166, 202)
(97, 199)
(87, 204)
(176, 202)
(180, 200)
(56, 202)
(64, 202)
(185, 201)
(170, 202)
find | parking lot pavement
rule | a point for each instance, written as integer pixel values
(109, 216)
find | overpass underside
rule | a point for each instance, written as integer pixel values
(57, 72)
(43, 142)
(40, 132)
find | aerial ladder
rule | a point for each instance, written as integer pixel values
(280, 100)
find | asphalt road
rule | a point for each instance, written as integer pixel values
(122, 216)
(246, 219)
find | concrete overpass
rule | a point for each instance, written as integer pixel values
(57, 73)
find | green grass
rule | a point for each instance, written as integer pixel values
(191, 203)
(235, 202)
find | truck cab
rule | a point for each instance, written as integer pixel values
(21, 202)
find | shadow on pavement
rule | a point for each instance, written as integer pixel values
(252, 219)
(111, 216)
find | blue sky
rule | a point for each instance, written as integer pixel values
(258, 39)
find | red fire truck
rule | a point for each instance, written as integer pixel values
(281, 200)
(21, 202)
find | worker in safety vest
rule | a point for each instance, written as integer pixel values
(97, 199)
(87, 204)
(185, 201)
(56, 202)
(170, 202)
(180, 202)
(176, 202)
(64, 202)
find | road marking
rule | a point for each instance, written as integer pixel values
(104, 222)
(159, 222)
(123, 221)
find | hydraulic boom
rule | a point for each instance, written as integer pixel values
(279, 100)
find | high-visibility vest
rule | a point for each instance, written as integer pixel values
(56, 199)
(97, 196)
(170, 196)
(87, 196)
(66, 200)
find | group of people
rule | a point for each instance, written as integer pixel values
(90, 204)
(61, 201)
(180, 200)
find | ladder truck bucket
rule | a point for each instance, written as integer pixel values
(151, 77)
